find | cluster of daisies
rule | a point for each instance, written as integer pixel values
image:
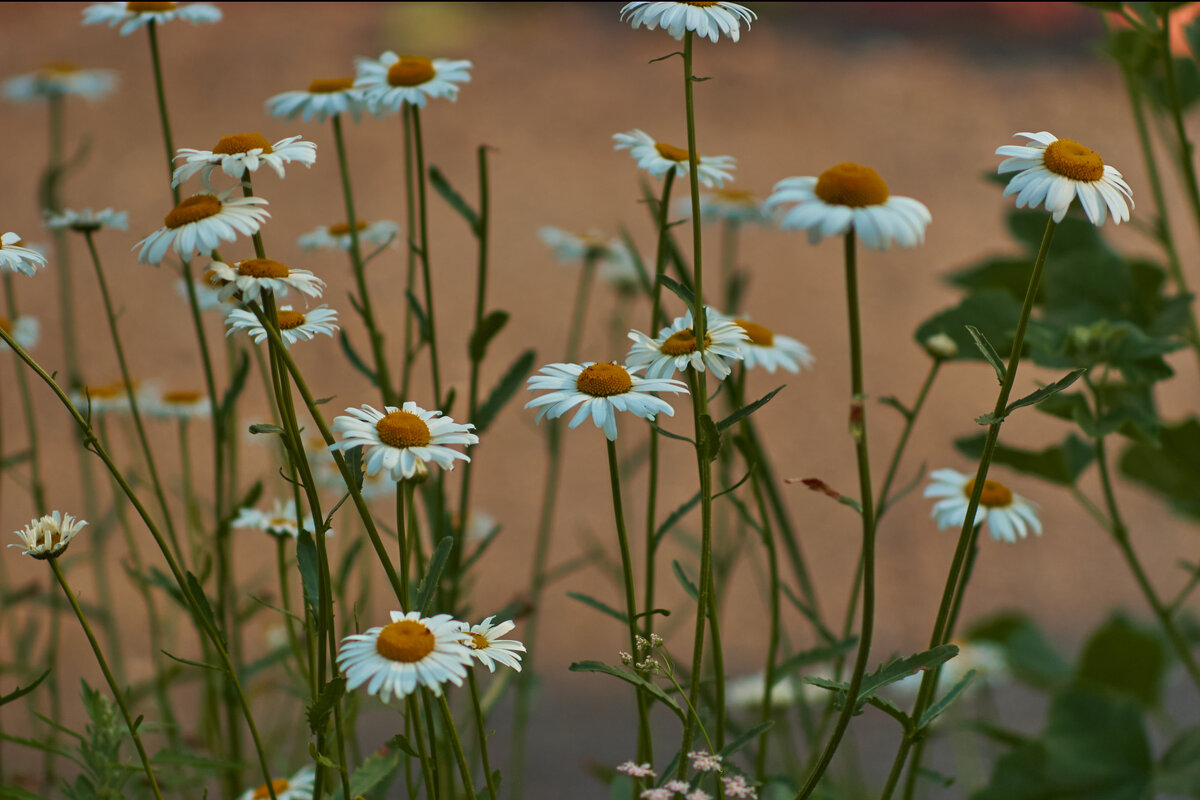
(733, 784)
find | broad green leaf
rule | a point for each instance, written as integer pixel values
(602, 607)
(1172, 469)
(630, 677)
(1126, 658)
(1029, 656)
(438, 180)
(1046, 391)
(1060, 463)
(1178, 772)
(504, 390)
(482, 336)
(433, 573)
(993, 312)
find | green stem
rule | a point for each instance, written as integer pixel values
(404, 493)
(481, 725)
(422, 751)
(410, 222)
(910, 419)
(37, 487)
(426, 273)
(160, 94)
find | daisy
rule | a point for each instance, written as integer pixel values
(408, 652)
(659, 158)
(600, 390)
(103, 397)
(986, 658)
(325, 96)
(281, 521)
(391, 80)
(337, 237)
(241, 153)
(1053, 172)
(399, 439)
(131, 16)
(705, 19)
(486, 645)
(294, 326)
(87, 220)
(675, 348)
(23, 330)
(297, 787)
(15, 258)
(180, 404)
(570, 247)
(200, 223)
(49, 536)
(1008, 515)
(850, 196)
(636, 770)
(248, 279)
(208, 293)
(772, 350)
(60, 78)
(726, 205)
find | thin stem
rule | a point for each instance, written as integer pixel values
(404, 493)
(427, 773)
(481, 726)
(37, 487)
(161, 95)
(426, 273)
(410, 222)
(910, 419)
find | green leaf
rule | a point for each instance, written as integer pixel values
(376, 771)
(1029, 656)
(688, 585)
(747, 410)
(236, 384)
(1126, 658)
(1178, 772)
(422, 320)
(709, 444)
(987, 351)
(675, 516)
(437, 562)
(489, 326)
(602, 607)
(319, 712)
(746, 738)
(503, 391)
(815, 655)
(679, 290)
(1061, 463)
(355, 359)
(306, 560)
(21, 691)
(456, 201)
(1171, 470)
(191, 663)
(201, 604)
(1046, 391)
(935, 710)
(889, 673)
(993, 312)
(629, 677)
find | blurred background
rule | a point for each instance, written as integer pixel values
(923, 92)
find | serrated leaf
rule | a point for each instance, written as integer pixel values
(1046, 391)
(433, 574)
(987, 351)
(629, 677)
(602, 607)
(935, 710)
(453, 198)
(489, 326)
(503, 391)
(747, 410)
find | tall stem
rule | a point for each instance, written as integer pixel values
(426, 273)
(481, 726)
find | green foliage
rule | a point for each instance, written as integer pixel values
(102, 777)
(504, 390)
(632, 678)
(1028, 654)
(1061, 463)
(1172, 468)
(1126, 658)
(1179, 769)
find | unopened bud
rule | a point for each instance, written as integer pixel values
(940, 346)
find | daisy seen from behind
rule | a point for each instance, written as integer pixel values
(294, 326)
(60, 79)
(600, 390)
(15, 258)
(48, 536)
(179, 404)
(675, 348)
(297, 787)
(390, 81)
(337, 236)
(87, 220)
(486, 645)
(249, 278)
(131, 16)
(239, 154)
(410, 651)
(280, 521)
(401, 440)
(1052, 172)
(200, 223)
(325, 97)
(726, 205)
(706, 20)
(659, 158)
(848, 197)
(1008, 515)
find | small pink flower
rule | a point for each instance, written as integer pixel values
(661, 793)
(705, 762)
(676, 786)
(636, 770)
(736, 786)
(699, 794)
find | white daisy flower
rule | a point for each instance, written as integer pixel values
(986, 658)
(15, 258)
(298, 787)
(281, 521)
(60, 78)
(208, 292)
(659, 158)
(294, 326)
(600, 390)
(772, 350)
(87, 220)
(675, 348)
(1009, 516)
(249, 278)
(131, 16)
(705, 19)
(200, 223)
(850, 196)
(1053, 172)
(619, 270)
(49, 536)
(392, 80)
(325, 97)
(636, 770)
(179, 404)
(337, 237)
(487, 646)
(104, 397)
(23, 330)
(726, 205)
(571, 248)
(408, 652)
(399, 439)
(239, 153)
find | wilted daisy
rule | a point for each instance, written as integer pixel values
(1008, 515)
(179, 404)
(131, 16)
(659, 158)
(87, 220)
(486, 645)
(675, 348)
(705, 19)
(1053, 172)
(408, 652)
(391, 80)
(60, 78)
(298, 787)
(769, 350)
(241, 153)
(249, 278)
(398, 439)
(15, 258)
(294, 326)
(600, 390)
(23, 330)
(281, 521)
(726, 205)
(850, 196)
(337, 236)
(325, 96)
(49, 536)
(200, 223)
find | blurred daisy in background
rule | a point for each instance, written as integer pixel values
(15, 258)
(658, 159)
(200, 223)
(706, 20)
(337, 236)
(60, 79)
(105, 397)
(294, 326)
(281, 521)
(181, 404)
(298, 787)
(131, 16)
(23, 330)
(769, 350)
(410, 651)
(397, 440)
(324, 97)
(87, 220)
(1009, 516)
(726, 205)
(600, 390)
(391, 80)
(241, 153)
(676, 349)
(1053, 172)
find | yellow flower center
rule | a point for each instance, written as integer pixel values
(671, 152)
(850, 184)
(410, 71)
(182, 397)
(60, 67)
(479, 642)
(683, 343)
(280, 785)
(242, 143)
(262, 268)
(403, 429)
(288, 319)
(604, 380)
(6, 325)
(408, 641)
(1073, 160)
(105, 391)
(995, 494)
(280, 522)
(342, 228)
(193, 209)
(139, 8)
(330, 85)
(742, 196)
(757, 333)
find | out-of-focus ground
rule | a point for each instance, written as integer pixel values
(923, 92)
